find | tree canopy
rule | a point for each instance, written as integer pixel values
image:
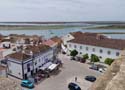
(94, 58)
(73, 53)
(109, 61)
(85, 56)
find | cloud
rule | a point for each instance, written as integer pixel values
(62, 10)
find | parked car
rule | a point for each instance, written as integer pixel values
(73, 86)
(94, 67)
(90, 78)
(44, 73)
(102, 70)
(27, 84)
(72, 58)
(63, 52)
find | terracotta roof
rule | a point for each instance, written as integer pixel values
(19, 56)
(96, 39)
(37, 48)
(5, 40)
(49, 42)
(57, 39)
(76, 34)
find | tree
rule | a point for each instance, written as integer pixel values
(94, 58)
(73, 53)
(85, 56)
(109, 61)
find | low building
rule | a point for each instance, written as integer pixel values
(24, 64)
(94, 43)
(6, 43)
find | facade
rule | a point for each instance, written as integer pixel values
(29, 61)
(3, 72)
(93, 43)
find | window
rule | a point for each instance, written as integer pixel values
(101, 51)
(80, 47)
(93, 49)
(75, 46)
(80, 53)
(117, 53)
(35, 62)
(69, 45)
(87, 48)
(28, 67)
(109, 52)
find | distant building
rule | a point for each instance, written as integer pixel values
(5, 43)
(94, 43)
(24, 64)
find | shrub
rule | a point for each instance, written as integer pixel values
(85, 56)
(109, 61)
(73, 53)
(94, 58)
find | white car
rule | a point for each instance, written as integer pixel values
(101, 70)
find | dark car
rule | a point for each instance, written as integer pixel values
(63, 52)
(72, 58)
(90, 78)
(94, 67)
(73, 86)
(27, 84)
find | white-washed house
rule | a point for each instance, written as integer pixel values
(3, 71)
(93, 43)
(24, 64)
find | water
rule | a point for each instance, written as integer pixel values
(60, 32)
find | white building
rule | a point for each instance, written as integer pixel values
(3, 72)
(93, 43)
(24, 64)
(5, 43)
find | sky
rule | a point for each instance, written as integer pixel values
(62, 10)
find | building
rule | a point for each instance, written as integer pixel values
(94, 43)
(24, 64)
(5, 43)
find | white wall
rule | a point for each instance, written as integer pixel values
(15, 69)
(67, 38)
(26, 69)
(7, 43)
(42, 58)
(3, 73)
(104, 54)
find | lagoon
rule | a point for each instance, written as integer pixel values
(60, 32)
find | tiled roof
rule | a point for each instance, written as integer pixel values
(99, 40)
(19, 56)
(56, 39)
(49, 42)
(38, 48)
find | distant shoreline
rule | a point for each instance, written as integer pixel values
(60, 26)
(109, 27)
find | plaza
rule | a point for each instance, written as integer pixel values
(67, 74)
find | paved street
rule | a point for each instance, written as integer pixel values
(70, 70)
